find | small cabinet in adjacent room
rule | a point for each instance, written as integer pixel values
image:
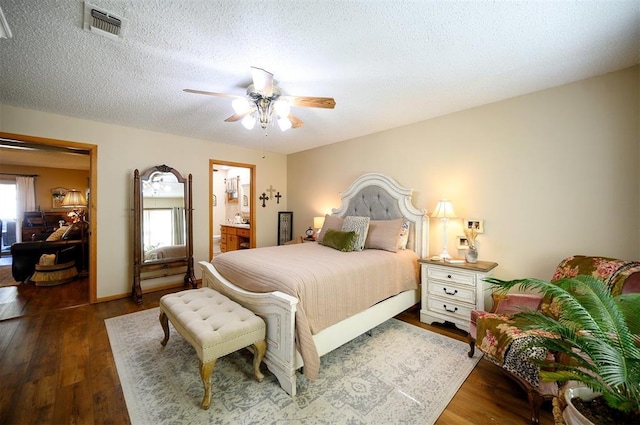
(233, 238)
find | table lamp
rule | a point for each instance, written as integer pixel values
(444, 211)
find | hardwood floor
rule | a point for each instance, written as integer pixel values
(56, 364)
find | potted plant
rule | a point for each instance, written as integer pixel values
(597, 334)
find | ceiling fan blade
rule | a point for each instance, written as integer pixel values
(295, 121)
(310, 102)
(262, 81)
(210, 93)
(236, 117)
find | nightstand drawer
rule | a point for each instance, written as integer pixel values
(451, 291)
(243, 232)
(451, 275)
(450, 308)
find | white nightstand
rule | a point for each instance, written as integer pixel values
(451, 291)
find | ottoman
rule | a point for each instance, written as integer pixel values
(215, 326)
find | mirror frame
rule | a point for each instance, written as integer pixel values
(170, 266)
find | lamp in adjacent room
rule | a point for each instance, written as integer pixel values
(444, 211)
(76, 200)
(318, 222)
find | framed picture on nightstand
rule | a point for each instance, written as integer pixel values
(285, 226)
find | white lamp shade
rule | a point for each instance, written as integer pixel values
(282, 108)
(284, 123)
(318, 222)
(248, 122)
(240, 105)
(74, 199)
(444, 209)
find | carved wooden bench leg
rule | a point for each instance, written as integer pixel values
(260, 348)
(164, 322)
(206, 370)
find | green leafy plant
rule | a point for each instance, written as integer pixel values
(599, 333)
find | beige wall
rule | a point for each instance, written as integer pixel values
(48, 179)
(120, 151)
(552, 173)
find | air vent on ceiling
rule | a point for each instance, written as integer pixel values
(102, 22)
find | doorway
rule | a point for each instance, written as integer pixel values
(232, 190)
(53, 145)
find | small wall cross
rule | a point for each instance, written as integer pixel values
(263, 198)
(278, 196)
(271, 190)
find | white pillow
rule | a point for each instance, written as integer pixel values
(360, 225)
(404, 235)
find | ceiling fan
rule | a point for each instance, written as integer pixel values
(264, 100)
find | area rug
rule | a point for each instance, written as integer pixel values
(400, 373)
(6, 279)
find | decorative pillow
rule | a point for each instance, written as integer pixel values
(384, 234)
(47, 260)
(342, 241)
(57, 235)
(360, 225)
(330, 222)
(404, 234)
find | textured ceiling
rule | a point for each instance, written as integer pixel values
(386, 63)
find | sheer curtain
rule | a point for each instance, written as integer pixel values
(178, 225)
(26, 194)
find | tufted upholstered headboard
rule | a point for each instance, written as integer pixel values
(379, 197)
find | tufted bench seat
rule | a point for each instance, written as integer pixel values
(215, 326)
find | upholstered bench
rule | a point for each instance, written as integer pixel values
(215, 326)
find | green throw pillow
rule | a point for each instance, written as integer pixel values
(342, 241)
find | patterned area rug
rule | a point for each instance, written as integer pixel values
(399, 374)
(6, 279)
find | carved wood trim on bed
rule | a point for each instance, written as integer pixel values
(373, 195)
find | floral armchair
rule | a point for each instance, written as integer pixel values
(500, 341)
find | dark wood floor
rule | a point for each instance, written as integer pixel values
(56, 365)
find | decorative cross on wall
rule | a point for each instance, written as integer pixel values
(271, 190)
(278, 196)
(263, 198)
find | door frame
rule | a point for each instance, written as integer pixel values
(252, 192)
(92, 151)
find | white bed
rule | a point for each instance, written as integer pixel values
(373, 195)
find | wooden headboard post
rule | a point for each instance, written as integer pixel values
(380, 197)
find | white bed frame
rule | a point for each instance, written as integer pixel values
(278, 309)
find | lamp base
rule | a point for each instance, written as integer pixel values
(445, 254)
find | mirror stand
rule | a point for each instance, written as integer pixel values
(167, 193)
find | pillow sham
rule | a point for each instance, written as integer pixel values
(384, 234)
(342, 241)
(330, 222)
(360, 225)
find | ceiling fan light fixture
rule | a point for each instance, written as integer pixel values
(282, 108)
(249, 121)
(240, 105)
(284, 123)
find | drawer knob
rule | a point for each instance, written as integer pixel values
(449, 276)
(455, 291)
(450, 311)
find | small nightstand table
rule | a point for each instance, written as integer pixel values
(451, 291)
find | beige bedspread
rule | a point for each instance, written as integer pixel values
(330, 285)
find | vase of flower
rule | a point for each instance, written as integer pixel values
(471, 256)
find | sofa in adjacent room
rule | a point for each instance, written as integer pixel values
(67, 243)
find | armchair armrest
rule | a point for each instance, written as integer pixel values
(514, 303)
